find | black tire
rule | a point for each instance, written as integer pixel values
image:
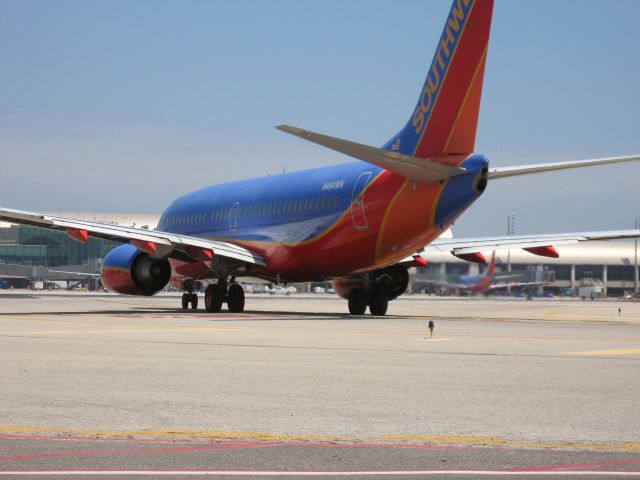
(194, 301)
(185, 301)
(379, 302)
(235, 298)
(213, 298)
(357, 301)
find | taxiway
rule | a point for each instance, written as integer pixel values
(106, 383)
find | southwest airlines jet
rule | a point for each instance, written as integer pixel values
(477, 284)
(361, 224)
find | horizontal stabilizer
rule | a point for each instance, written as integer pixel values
(413, 168)
(503, 172)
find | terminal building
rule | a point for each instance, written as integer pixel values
(29, 254)
(608, 265)
(34, 254)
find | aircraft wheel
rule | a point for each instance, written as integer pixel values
(357, 301)
(193, 299)
(235, 298)
(185, 301)
(379, 302)
(213, 298)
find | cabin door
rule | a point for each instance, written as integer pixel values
(233, 217)
(357, 201)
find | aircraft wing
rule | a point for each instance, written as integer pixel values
(495, 286)
(157, 244)
(441, 283)
(465, 246)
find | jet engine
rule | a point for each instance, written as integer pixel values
(127, 270)
(393, 280)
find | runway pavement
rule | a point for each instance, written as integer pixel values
(109, 384)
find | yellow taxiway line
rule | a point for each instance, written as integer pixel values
(607, 353)
(462, 440)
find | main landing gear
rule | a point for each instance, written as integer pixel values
(215, 295)
(189, 299)
(376, 299)
(377, 289)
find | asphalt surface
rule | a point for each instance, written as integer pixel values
(126, 387)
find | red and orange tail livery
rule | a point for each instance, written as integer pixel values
(445, 118)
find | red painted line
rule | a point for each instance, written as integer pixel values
(322, 473)
(234, 316)
(38, 456)
(552, 468)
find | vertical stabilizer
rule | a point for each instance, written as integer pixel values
(445, 118)
(492, 265)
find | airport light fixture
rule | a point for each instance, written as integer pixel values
(635, 262)
(511, 229)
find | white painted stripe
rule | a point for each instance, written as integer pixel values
(270, 473)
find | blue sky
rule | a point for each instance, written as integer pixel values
(123, 106)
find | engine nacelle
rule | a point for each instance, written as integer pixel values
(393, 279)
(344, 285)
(127, 270)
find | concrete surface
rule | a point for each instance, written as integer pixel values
(553, 380)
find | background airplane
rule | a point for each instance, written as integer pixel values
(477, 284)
(362, 224)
